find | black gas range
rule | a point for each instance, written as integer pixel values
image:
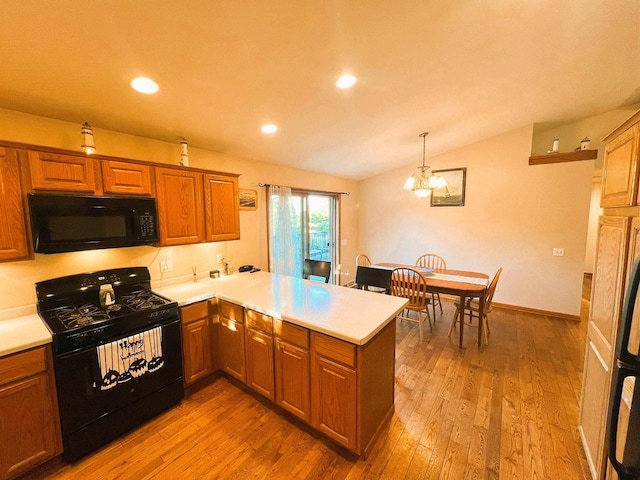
(117, 353)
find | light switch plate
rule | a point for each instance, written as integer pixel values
(558, 252)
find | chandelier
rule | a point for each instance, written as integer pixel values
(422, 182)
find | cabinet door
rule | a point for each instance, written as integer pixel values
(13, 234)
(232, 357)
(620, 173)
(606, 303)
(180, 209)
(27, 415)
(260, 376)
(197, 350)
(126, 178)
(333, 401)
(52, 171)
(292, 379)
(222, 208)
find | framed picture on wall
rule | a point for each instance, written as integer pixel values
(248, 199)
(452, 194)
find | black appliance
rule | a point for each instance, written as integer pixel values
(117, 353)
(65, 223)
(623, 420)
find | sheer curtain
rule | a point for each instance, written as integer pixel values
(282, 252)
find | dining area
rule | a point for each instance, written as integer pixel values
(423, 284)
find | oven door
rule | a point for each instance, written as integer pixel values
(79, 381)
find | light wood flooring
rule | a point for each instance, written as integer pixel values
(507, 411)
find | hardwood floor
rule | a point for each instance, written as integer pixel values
(507, 411)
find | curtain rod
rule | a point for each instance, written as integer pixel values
(293, 188)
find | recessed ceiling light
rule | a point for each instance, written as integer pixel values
(144, 85)
(269, 128)
(346, 81)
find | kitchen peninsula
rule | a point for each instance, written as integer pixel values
(322, 352)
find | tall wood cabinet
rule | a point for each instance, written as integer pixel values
(13, 233)
(617, 247)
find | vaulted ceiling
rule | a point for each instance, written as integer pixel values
(463, 70)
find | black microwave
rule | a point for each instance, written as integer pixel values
(65, 223)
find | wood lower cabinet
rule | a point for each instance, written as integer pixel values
(126, 178)
(232, 340)
(29, 423)
(221, 207)
(69, 173)
(180, 206)
(197, 342)
(259, 347)
(13, 233)
(293, 370)
(334, 389)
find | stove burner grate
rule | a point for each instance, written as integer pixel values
(87, 314)
(143, 300)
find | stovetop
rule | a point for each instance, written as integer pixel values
(70, 307)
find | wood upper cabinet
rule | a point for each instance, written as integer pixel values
(606, 303)
(292, 370)
(53, 171)
(620, 173)
(334, 407)
(232, 340)
(222, 208)
(197, 342)
(29, 423)
(126, 178)
(180, 206)
(13, 233)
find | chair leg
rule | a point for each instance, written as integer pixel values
(439, 302)
(454, 321)
(486, 323)
(420, 324)
(433, 306)
(429, 318)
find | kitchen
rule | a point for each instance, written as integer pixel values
(563, 221)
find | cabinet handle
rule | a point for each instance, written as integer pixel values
(259, 339)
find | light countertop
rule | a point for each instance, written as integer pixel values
(21, 333)
(346, 313)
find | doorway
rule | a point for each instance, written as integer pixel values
(313, 228)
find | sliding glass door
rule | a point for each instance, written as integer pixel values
(314, 228)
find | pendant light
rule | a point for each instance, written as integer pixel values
(422, 182)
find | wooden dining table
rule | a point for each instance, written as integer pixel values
(451, 282)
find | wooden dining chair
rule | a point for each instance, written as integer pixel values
(472, 308)
(363, 259)
(409, 283)
(316, 268)
(375, 279)
(431, 260)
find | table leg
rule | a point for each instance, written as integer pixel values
(480, 319)
(462, 305)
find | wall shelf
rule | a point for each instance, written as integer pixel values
(563, 157)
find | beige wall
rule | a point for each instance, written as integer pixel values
(515, 214)
(595, 128)
(17, 278)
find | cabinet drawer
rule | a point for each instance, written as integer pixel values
(194, 312)
(334, 349)
(259, 321)
(21, 365)
(231, 311)
(292, 333)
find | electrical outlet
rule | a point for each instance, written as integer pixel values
(220, 258)
(558, 252)
(166, 266)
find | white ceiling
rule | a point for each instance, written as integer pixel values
(463, 70)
